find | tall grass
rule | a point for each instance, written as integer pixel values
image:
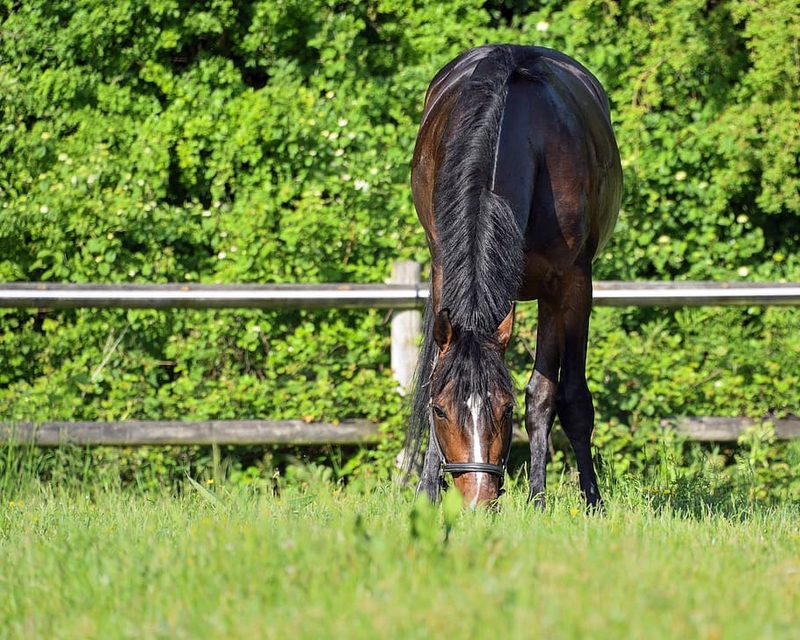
(320, 561)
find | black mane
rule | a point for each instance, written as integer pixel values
(472, 365)
(479, 241)
(480, 245)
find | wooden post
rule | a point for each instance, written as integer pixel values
(406, 327)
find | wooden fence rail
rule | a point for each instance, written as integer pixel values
(298, 432)
(406, 294)
(396, 295)
(163, 432)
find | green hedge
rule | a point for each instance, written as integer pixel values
(221, 141)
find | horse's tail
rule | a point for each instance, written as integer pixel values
(420, 400)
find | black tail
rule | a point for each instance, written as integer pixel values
(420, 400)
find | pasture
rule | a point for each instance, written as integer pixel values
(317, 560)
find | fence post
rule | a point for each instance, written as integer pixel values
(406, 327)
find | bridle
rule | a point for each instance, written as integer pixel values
(457, 468)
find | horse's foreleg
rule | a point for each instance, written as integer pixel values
(574, 400)
(540, 395)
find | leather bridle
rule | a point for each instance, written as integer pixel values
(457, 468)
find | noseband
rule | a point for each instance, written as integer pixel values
(457, 468)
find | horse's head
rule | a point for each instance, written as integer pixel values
(472, 405)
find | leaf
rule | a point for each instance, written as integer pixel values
(207, 494)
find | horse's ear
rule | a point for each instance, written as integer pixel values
(443, 332)
(503, 333)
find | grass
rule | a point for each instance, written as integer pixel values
(322, 562)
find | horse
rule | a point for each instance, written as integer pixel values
(516, 180)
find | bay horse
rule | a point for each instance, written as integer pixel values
(516, 179)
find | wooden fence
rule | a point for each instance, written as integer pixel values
(405, 295)
(298, 432)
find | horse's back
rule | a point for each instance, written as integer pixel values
(555, 160)
(560, 93)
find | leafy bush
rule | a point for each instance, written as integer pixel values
(269, 142)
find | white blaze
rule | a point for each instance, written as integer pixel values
(475, 404)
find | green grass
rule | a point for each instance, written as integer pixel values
(322, 562)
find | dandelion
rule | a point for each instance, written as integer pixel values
(573, 511)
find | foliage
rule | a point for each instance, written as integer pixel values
(263, 141)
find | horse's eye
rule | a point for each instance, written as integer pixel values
(508, 412)
(439, 412)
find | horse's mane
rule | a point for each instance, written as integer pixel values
(480, 244)
(472, 365)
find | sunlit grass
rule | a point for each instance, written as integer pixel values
(322, 562)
